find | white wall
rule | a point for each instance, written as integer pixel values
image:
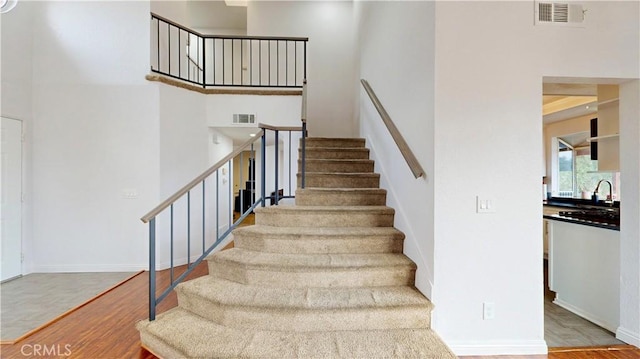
(94, 136)
(629, 329)
(391, 27)
(487, 142)
(175, 10)
(331, 65)
(16, 100)
(271, 110)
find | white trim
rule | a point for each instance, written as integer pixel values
(586, 315)
(78, 268)
(520, 347)
(628, 336)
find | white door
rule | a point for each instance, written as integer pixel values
(11, 193)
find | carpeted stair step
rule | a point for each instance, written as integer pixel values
(338, 165)
(325, 216)
(178, 333)
(335, 153)
(312, 142)
(340, 180)
(341, 197)
(305, 240)
(238, 305)
(312, 270)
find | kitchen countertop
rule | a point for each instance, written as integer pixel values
(578, 203)
(557, 217)
(569, 204)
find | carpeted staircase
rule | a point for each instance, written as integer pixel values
(325, 278)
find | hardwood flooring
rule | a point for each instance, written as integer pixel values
(105, 328)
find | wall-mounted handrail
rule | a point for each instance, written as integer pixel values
(189, 186)
(408, 155)
(194, 197)
(226, 60)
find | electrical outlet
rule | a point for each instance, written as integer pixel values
(488, 310)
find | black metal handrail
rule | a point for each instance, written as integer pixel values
(165, 218)
(227, 60)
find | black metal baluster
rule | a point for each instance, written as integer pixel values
(152, 269)
(233, 61)
(262, 167)
(171, 244)
(158, 34)
(203, 215)
(188, 229)
(290, 163)
(204, 62)
(276, 156)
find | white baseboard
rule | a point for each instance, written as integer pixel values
(628, 336)
(524, 347)
(89, 268)
(586, 315)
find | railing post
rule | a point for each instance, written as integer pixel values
(303, 117)
(304, 153)
(152, 269)
(277, 154)
(263, 169)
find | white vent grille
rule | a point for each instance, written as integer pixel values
(559, 13)
(244, 118)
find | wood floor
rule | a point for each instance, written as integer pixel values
(105, 328)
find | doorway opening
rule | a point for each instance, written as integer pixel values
(11, 211)
(581, 146)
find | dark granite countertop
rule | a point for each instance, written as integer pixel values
(576, 204)
(584, 222)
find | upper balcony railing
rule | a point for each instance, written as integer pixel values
(226, 61)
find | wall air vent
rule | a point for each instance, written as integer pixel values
(243, 118)
(559, 13)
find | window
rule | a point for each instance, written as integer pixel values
(565, 169)
(578, 174)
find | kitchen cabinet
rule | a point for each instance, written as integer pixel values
(547, 210)
(584, 271)
(608, 129)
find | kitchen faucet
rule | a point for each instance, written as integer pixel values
(609, 199)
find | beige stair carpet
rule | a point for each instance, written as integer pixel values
(325, 278)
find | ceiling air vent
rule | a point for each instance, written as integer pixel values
(559, 13)
(243, 118)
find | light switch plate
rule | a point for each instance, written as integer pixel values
(485, 205)
(129, 193)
